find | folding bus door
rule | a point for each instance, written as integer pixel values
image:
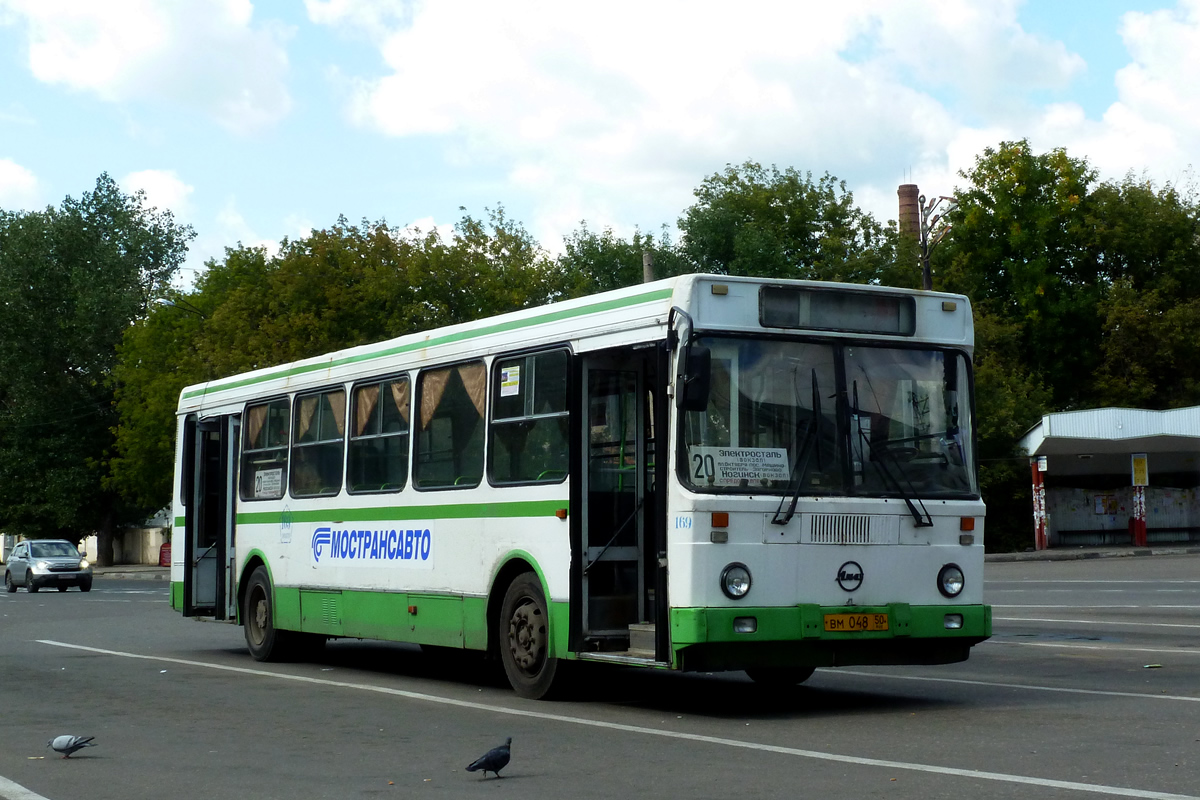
(621, 537)
(210, 448)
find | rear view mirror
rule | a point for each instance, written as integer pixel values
(693, 385)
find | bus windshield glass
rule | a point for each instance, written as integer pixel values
(832, 419)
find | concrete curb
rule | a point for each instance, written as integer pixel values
(124, 573)
(1076, 554)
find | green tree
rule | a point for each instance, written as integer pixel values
(749, 220)
(339, 287)
(1019, 247)
(72, 279)
(1085, 294)
(594, 262)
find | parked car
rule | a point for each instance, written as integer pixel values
(42, 563)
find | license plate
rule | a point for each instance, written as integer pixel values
(853, 623)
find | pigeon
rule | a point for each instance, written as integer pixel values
(493, 760)
(67, 744)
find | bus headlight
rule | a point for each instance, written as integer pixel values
(735, 581)
(950, 580)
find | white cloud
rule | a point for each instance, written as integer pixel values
(1155, 124)
(622, 111)
(206, 54)
(164, 189)
(18, 186)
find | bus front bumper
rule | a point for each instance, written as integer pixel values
(710, 639)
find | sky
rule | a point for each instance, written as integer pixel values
(255, 121)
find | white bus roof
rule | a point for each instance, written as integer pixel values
(610, 319)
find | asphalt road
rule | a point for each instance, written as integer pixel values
(1090, 688)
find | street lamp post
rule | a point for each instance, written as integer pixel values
(932, 232)
(181, 304)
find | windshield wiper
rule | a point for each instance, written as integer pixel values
(921, 518)
(804, 451)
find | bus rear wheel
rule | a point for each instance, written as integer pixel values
(524, 638)
(780, 677)
(258, 619)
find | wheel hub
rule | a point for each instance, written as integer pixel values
(526, 636)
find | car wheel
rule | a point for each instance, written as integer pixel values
(9, 586)
(30, 585)
(86, 585)
(524, 638)
(63, 587)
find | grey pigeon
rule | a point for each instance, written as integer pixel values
(493, 760)
(67, 744)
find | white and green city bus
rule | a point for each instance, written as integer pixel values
(700, 473)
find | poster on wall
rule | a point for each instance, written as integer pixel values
(1140, 467)
(1107, 505)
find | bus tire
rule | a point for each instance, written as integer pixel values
(780, 677)
(264, 642)
(523, 635)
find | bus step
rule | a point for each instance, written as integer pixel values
(628, 659)
(641, 639)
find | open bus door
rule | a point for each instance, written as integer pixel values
(210, 450)
(620, 564)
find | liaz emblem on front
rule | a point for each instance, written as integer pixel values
(850, 576)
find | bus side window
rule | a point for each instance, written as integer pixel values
(318, 438)
(378, 457)
(529, 430)
(265, 455)
(449, 447)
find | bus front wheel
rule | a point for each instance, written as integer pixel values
(524, 638)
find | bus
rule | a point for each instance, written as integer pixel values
(704, 473)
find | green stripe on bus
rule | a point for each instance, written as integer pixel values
(450, 338)
(533, 508)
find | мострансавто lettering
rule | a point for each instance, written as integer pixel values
(374, 545)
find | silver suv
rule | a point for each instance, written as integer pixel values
(47, 562)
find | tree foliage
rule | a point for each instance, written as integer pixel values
(72, 279)
(594, 262)
(339, 287)
(1086, 294)
(751, 220)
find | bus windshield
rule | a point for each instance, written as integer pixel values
(832, 419)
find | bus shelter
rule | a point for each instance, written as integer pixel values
(1115, 476)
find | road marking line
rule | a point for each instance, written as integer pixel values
(1030, 687)
(1037, 605)
(1154, 583)
(1097, 622)
(15, 791)
(1118, 648)
(1095, 788)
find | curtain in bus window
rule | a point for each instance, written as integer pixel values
(449, 448)
(305, 411)
(317, 452)
(433, 385)
(378, 457)
(399, 403)
(256, 416)
(365, 398)
(337, 404)
(474, 378)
